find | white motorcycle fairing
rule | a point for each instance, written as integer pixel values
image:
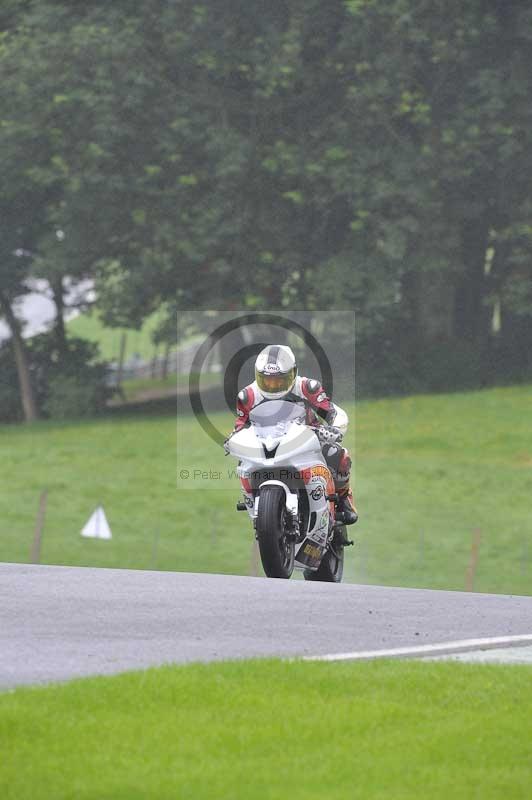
(281, 450)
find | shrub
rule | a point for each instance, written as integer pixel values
(68, 382)
(70, 397)
(448, 366)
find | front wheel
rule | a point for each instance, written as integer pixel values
(276, 545)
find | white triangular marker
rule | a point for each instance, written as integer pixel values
(97, 527)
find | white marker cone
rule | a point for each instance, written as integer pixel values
(97, 527)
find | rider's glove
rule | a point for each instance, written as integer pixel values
(226, 444)
(329, 434)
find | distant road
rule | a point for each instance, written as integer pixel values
(58, 623)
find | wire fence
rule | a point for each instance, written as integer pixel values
(173, 547)
(172, 361)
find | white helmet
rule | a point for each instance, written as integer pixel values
(275, 371)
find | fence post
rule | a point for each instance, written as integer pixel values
(254, 560)
(525, 558)
(155, 547)
(362, 565)
(35, 553)
(422, 550)
(164, 372)
(153, 373)
(121, 359)
(473, 561)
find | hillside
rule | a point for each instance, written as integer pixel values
(89, 326)
(430, 470)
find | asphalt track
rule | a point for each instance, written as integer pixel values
(58, 623)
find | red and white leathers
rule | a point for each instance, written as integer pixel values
(320, 407)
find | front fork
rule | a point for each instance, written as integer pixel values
(291, 508)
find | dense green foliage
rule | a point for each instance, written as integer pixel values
(69, 382)
(366, 154)
(268, 729)
(428, 471)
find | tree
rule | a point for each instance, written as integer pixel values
(21, 223)
(362, 154)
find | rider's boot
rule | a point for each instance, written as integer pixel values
(346, 505)
(339, 462)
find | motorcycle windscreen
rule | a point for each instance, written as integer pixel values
(273, 416)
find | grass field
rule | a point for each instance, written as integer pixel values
(89, 326)
(273, 729)
(138, 389)
(429, 471)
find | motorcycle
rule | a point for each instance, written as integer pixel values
(288, 491)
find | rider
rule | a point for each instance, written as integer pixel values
(276, 378)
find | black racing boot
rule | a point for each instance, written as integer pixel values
(346, 507)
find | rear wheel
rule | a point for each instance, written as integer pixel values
(331, 568)
(276, 545)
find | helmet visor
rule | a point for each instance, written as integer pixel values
(278, 382)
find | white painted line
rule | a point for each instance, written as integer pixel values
(495, 655)
(428, 649)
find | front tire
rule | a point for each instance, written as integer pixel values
(277, 548)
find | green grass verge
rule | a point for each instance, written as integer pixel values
(270, 729)
(428, 471)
